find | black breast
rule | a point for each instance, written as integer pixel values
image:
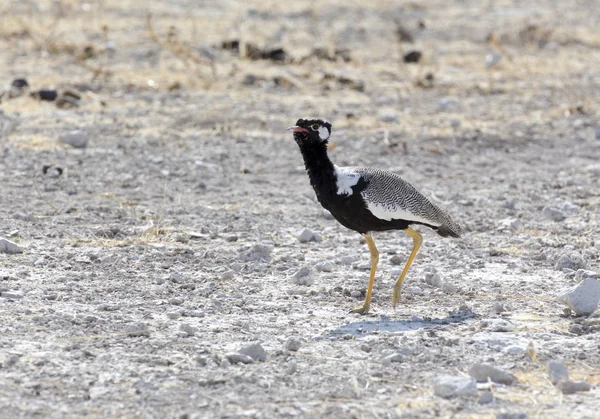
(351, 210)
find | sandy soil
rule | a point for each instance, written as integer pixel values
(170, 239)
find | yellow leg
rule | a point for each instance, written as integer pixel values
(374, 260)
(417, 240)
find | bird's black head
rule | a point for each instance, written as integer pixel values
(311, 130)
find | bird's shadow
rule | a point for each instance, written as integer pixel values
(391, 327)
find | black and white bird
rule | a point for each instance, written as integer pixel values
(367, 199)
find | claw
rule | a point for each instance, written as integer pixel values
(361, 310)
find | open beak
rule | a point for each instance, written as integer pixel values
(297, 129)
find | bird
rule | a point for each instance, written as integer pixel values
(367, 200)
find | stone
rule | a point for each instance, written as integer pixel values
(433, 279)
(448, 386)
(570, 260)
(324, 266)
(227, 275)
(507, 343)
(553, 213)
(583, 298)
(7, 246)
(293, 345)
(303, 276)
(414, 290)
(75, 138)
(497, 325)
(137, 329)
(255, 351)
(186, 328)
(557, 372)
(570, 387)
(238, 358)
(519, 415)
(395, 357)
(13, 295)
(486, 397)
(258, 252)
(306, 235)
(481, 372)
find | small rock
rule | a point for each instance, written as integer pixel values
(433, 279)
(448, 386)
(7, 246)
(194, 313)
(482, 371)
(324, 266)
(13, 295)
(582, 274)
(570, 387)
(366, 348)
(570, 260)
(448, 288)
(557, 372)
(355, 294)
(137, 329)
(583, 299)
(76, 138)
(396, 260)
(492, 59)
(176, 301)
(184, 327)
(303, 276)
(255, 351)
(486, 397)
(237, 358)
(174, 314)
(388, 116)
(395, 357)
(292, 345)
(347, 260)
(412, 57)
(570, 208)
(258, 252)
(553, 213)
(497, 325)
(414, 290)
(498, 308)
(176, 277)
(306, 235)
(519, 415)
(227, 275)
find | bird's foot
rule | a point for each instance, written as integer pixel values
(395, 296)
(364, 309)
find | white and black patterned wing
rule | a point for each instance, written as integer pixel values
(389, 197)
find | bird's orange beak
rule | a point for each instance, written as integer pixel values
(296, 128)
(330, 146)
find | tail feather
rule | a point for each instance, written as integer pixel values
(453, 230)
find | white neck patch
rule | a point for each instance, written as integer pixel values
(346, 178)
(323, 133)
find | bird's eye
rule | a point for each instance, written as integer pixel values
(315, 127)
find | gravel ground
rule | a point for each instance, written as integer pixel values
(164, 255)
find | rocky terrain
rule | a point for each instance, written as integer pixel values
(163, 255)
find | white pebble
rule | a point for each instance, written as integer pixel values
(414, 290)
(448, 386)
(553, 213)
(306, 235)
(324, 266)
(293, 344)
(254, 350)
(238, 358)
(583, 299)
(433, 279)
(303, 276)
(7, 246)
(497, 325)
(189, 330)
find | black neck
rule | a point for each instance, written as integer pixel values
(319, 167)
